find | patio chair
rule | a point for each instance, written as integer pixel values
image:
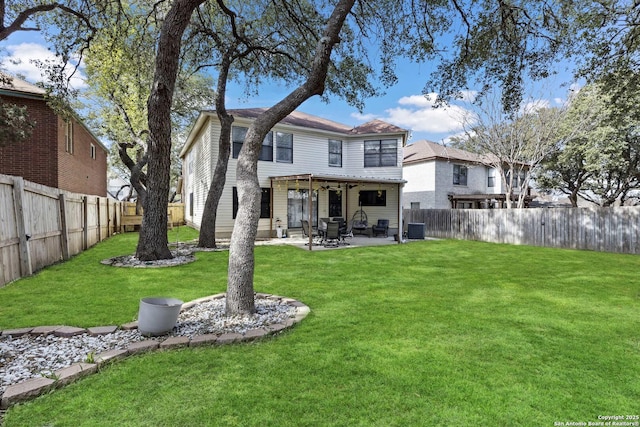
(332, 236)
(382, 227)
(322, 227)
(346, 233)
(342, 222)
(306, 231)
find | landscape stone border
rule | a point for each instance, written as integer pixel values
(35, 387)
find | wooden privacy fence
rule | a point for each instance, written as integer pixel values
(599, 229)
(41, 225)
(131, 218)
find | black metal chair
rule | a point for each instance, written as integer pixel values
(322, 227)
(342, 222)
(346, 233)
(308, 231)
(382, 227)
(332, 236)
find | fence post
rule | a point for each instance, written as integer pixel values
(85, 223)
(108, 219)
(64, 228)
(23, 245)
(98, 219)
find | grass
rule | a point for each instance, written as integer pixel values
(428, 333)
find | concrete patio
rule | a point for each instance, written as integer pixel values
(296, 239)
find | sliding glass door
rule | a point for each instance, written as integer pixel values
(298, 208)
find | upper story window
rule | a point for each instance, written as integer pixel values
(460, 175)
(284, 147)
(491, 178)
(335, 153)
(93, 151)
(518, 178)
(380, 153)
(68, 136)
(238, 134)
(190, 162)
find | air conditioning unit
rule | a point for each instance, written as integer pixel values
(415, 231)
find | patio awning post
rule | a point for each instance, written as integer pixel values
(309, 212)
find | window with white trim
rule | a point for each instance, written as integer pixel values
(460, 173)
(491, 180)
(238, 134)
(284, 147)
(335, 153)
(380, 153)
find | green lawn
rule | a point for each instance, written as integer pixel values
(427, 333)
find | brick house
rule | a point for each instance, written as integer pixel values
(59, 153)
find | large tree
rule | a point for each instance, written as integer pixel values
(120, 65)
(153, 242)
(514, 144)
(598, 158)
(266, 40)
(240, 295)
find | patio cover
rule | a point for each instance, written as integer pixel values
(349, 181)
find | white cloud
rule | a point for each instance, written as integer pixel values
(363, 117)
(534, 105)
(418, 100)
(21, 60)
(418, 114)
(435, 120)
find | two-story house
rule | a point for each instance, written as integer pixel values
(309, 167)
(441, 177)
(60, 153)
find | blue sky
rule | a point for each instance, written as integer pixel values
(403, 105)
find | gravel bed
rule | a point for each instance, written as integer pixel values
(32, 356)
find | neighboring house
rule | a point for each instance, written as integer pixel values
(59, 153)
(345, 169)
(441, 177)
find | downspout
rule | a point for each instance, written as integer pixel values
(310, 211)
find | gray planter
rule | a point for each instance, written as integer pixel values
(158, 315)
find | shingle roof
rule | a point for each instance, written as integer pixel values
(14, 84)
(298, 118)
(424, 150)
(376, 126)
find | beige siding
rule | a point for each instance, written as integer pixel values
(310, 155)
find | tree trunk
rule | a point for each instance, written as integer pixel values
(240, 296)
(207, 237)
(153, 242)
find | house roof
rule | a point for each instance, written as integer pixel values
(17, 87)
(13, 86)
(300, 119)
(423, 150)
(303, 120)
(296, 118)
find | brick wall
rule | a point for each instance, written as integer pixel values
(33, 159)
(78, 172)
(43, 158)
